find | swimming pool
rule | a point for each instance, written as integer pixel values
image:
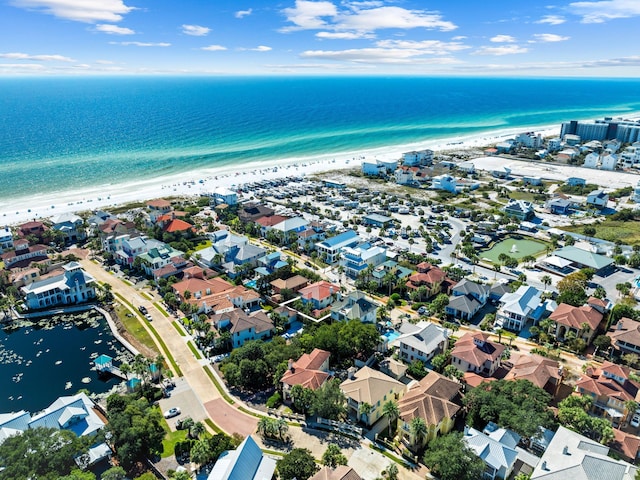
(252, 284)
(391, 335)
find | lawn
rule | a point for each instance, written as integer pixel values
(170, 439)
(628, 232)
(514, 247)
(135, 327)
(527, 196)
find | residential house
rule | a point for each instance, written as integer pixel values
(24, 255)
(319, 294)
(533, 181)
(467, 299)
(6, 239)
(506, 146)
(354, 306)
(421, 341)
(289, 228)
(598, 199)
(341, 472)
(71, 226)
(215, 294)
(422, 157)
(311, 370)
(250, 212)
(222, 194)
(520, 209)
(453, 185)
(72, 286)
(13, 423)
(574, 456)
(373, 169)
(113, 232)
(554, 144)
(34, 228)
(244, 326)
(169, 223)
(541, 371)
(592, 160)
(330, 249)
(521, 307)
(367, 390)
(292, 284)
(579, 258)
(157, 208)
(498, 289)
(610, 387)
(270, 263)
(158, 257)
(625, 336)
(434, 278)
(501, 172)
(78, 414)
(392, 267)
(576, 182)
(308, 238)
(496, 448)
(247, 462)
(609, 162)
(582, 321)
(626, 445)
(131, 247)
(529, 140)
(356, 260)
(560, 206)
(474, 352)
(433, 399)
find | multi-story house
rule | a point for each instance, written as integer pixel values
(421, 341)
(434, 278)
(6, 239)
(474, 352)
(583, 322)
(354, 306)
(71, 226)
(24, 254)
(331, 248)
(522, 306)
(244, 326)
(355, 260)
(72, 286)
(611, 389)
(158, 208)
(625, 336)
(467, 299)
(311, 370)
(319, 294)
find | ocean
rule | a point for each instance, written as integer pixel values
(61, 134)
(54, 357)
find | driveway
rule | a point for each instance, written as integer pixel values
(183, 397)
(229, 418)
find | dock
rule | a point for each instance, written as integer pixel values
(104, 364)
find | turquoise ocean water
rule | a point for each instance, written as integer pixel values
(72, 133)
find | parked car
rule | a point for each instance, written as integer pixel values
(142, 309)
(635, 421)
(148, 316)
(172, 412)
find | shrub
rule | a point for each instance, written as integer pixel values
(274, 401)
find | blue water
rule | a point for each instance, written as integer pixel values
(69, 133)
(391, 335)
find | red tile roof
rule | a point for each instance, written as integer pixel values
(177, 225)
(538, 370)
(319, 290)
(574, 317)
(271, 220)
(159, 203)
(466, 349)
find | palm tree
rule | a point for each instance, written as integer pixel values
(391, 472)
(265, 427)
(418, 429)
(197, 429)
(159, 363)
(364, 410)
(141, 367)
(281, 426)
(389, 278)
(125, 368)
(391, 410)
(546, 280)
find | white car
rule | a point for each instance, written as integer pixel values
(635, 421)
(172, 412)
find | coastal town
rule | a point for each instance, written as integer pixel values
(454, 314)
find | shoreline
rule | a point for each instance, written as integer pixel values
(201, 181)
(204, 180)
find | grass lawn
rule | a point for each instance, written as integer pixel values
(146, 295)
(135, 327)
(194, 350)
(527, 196)
(159, 307)
(202, 246)
(179, 329)
(170, 439)
(612, 230)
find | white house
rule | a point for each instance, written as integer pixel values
(522, 306)
(72, 286)
(529, 140)
(224, 195)
(6, 239)
(355, 306)
(609, 162)
(497, 449)
(331, 247)
(421, 341)
(447, 183)
(422, 157)
(554, 144)
(598, 199)
(70, 225)
(592, 160)
(355, 260)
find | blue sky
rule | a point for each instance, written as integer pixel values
(376, 37)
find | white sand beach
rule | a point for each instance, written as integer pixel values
(199, 182)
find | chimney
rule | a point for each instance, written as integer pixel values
(290, 365)
(565, 450)
(351, 372)
(619, 325)
(544, 466)
(466, 430)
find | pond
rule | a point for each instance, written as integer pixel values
(517, 248)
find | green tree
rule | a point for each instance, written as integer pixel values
(572, 289)
(439, 361)
(449, 458)
(453, 372)
(114, 473)
(332, 457)
(364, 409)
(329, 401)
(302, 398)
(392, 412)
(418, 429)
(417, 369)
(298, 464)
(518, 405)
(546, 280)
(42, 453)
(78, 474)
(602, 342)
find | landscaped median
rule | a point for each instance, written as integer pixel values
(158, 339)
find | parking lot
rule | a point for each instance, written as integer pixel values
(182, 396)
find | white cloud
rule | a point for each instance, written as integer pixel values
(244, 13)
(40, 58)
(502, 39)
(360, 17)
(214, 48)
(89, 11)
(21, 67)
(425, 47)
(459, 37)
(195, 30)
(378, 55)
(261, 48)
(343, 35)
(104, 62)
(549, 38)
(114, 29)
(552, 20)
(603, 10)
(501, 50)
(141, 44)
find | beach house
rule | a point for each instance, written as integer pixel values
(157, 208)
(581, 322)
(597, 199)
(421, 341)
(474, 352)
(421, 157)
(319, 294)
(24, 255)
(71, 226)
(357, 259)
(523, 306)
(520, 209)
(354, 306)
(468, 297)
(6, 239)
(222, 194)
(625, 336)
(311, 370)
(244, 326)
(331, 248)
(496, 448)
(70, 287)
(543, 372)
(247, 462)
